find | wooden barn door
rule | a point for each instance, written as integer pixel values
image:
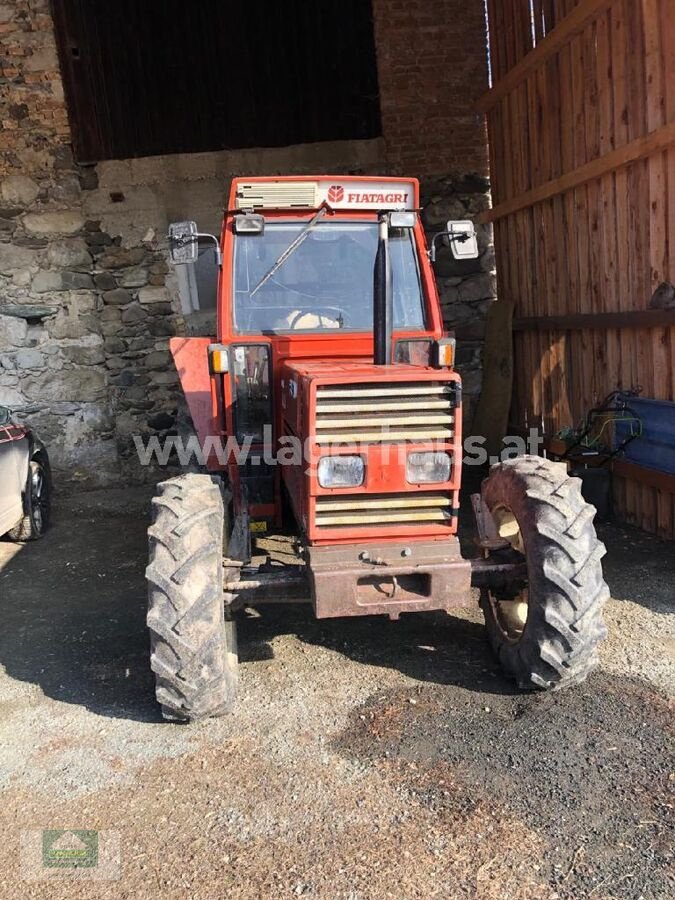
(144, 78)
(581, 121)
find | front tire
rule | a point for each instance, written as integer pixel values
(549, 639)
(193, 647)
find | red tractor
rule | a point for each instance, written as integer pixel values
(330, 413)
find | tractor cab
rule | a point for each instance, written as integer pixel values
(318, 270)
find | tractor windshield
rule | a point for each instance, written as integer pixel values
(326, 283)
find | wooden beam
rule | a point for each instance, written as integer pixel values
(572, 24)
(645, 146)
(641, 318)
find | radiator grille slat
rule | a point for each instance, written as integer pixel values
(384, 509)
(367, 404)
(383, 501)
(353, 435)
(412, 418)
(401, 389)
(368, 413)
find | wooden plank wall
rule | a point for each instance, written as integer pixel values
(574, 81)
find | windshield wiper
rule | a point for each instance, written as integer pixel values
(292, 247)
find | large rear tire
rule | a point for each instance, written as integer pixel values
(193, 647)
(549, 639)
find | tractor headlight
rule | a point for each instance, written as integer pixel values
(341, 471)
(402, 219)
(428, 468)
(249, 223)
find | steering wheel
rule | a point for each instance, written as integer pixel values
(332, 312)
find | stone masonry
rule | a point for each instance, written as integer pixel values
(467, 288)
(86, 359)
(87, 301)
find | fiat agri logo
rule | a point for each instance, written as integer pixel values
(336, 193)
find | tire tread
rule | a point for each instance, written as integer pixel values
(567, 590)
(192, 657)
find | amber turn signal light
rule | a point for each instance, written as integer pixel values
(219, 359)
(445, 353)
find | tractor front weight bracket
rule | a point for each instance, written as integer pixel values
(338, 581)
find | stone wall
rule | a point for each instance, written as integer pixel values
(432, 67)
(467, 288)
(87, 244)
(88, 360)
(55, 365)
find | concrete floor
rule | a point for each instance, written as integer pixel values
(366, 759)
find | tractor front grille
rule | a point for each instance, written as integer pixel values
(376, 412)
(384, 509)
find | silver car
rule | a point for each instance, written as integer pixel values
(25, 481)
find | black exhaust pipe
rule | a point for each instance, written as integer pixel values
(382, 298)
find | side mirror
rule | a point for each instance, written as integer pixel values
(183, 243)
(463, 239)
(5, 416)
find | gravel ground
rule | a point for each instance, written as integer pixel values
(366, 759)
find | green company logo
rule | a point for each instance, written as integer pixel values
(69, 848)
